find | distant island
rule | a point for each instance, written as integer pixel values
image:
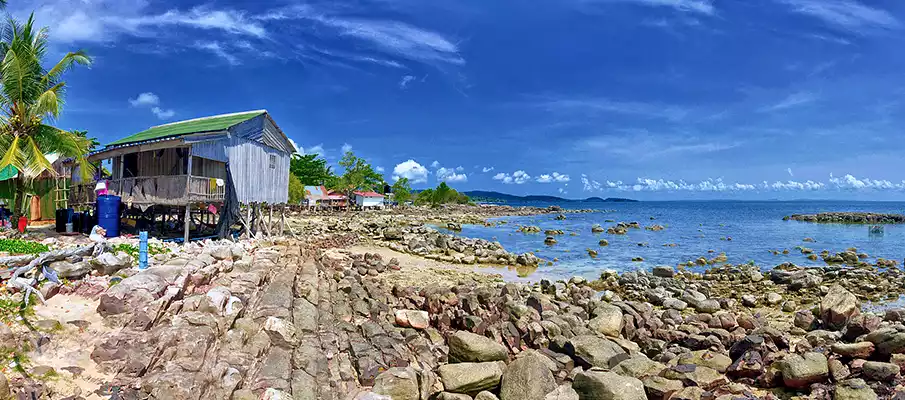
(497, 197)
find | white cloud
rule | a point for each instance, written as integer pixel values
(604, 105)
(847, 14)
(793, 185)
(148, 99)
(849, 182)
(218, 50)
(405, 81)
(416, 173)
(316, 149)
(789, 170)
(692, 6)
(346, 148)
(231, 21)
(486, 169)
(379, 169)
(590, 185)
(709, 185)
(450, 175)
(554, 177)
(298, 149)
(562, 191)
(435, 164)
(145, 99)
(518, 177)
(460, 168)
(163, 114)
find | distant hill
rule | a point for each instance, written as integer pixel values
(482, 195)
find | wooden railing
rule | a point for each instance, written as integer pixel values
(164, 190)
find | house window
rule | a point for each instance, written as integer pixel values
(273, 161)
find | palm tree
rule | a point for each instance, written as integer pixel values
(31, 97)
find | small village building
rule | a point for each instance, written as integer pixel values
(315, 196)
(336, 200)
(188, 164)
(368, 199)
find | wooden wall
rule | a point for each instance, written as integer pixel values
(256, 179)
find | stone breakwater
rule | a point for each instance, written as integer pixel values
(299, 320)
(848, 218)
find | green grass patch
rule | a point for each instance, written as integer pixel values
(132, 250)
(19, 246)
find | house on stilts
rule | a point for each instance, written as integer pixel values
(178, 172)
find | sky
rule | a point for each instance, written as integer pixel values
(647, 99)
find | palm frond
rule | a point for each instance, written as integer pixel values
(50, 102)
(67, 63)
(13, 155)
(34, 163)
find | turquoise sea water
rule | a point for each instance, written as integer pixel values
(755, 227)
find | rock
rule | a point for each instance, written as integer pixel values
(638, 367)
(596, 228)
(660, 388)
(749, 300)
(452, 396)
(281, 332)
(275, 394)
(221, 252)
(550, 240)
(470, 377)
(854, 389)
(772, 299)
(838, 370)
(597, 385)
(879, 371)
(465, 346)
(398, 383)
(485, 395)
(694, 375)
(689, 393)
(528, 378)
(838, 306)
(417, 319)
(887, 340)
(663, 271)
(804, 319)
(800, 372)
(675, 304)
(131, 294)
(4, 386)
(608, 320)
(392, 234)
(706, 358)
(853, 350)
(707, 306)
(109, 263)
(603, 242)
(590, 350)
(562, 392)
(68, 270)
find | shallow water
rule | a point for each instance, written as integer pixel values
(755, 228)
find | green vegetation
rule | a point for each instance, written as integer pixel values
(32, 95)
(442, 194)
(132, 250)
(18, 246)
(402, 191)
(358, 175)
(296, 190)
(311, 169)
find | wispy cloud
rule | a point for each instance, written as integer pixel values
(554, 177)
(692, 6)
(403, 84)
(219, 50)
(791, 101)
(486, 169)
(163, 113)
(151, 101)
(518, 177)
(604, 105)
(230, 21)
(847, 14)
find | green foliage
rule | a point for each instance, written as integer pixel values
(18, 246)
(358, 174)
(311, 169)
(442, 194)
(132, 250)
(11, 310)
(402, 191)
(296, 190)
(31, 95)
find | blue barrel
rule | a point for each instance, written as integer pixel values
(108, 214)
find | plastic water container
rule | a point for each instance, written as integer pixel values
(108, 214)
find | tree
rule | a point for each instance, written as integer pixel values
(358, 175)
(402, 191)
(30, 98)
(296, 190)
(311, 169)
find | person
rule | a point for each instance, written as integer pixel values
(101, 188)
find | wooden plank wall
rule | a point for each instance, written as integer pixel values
(255, 180)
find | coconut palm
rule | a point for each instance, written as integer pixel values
(31, 98)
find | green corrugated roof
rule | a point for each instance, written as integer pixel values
(207, 124)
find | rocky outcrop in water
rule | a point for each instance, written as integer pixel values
(848, 218)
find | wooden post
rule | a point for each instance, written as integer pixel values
(270, 220)
(282, 218)
(249, 225)
(188, 220)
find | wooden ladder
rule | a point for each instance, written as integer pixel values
(61, 193)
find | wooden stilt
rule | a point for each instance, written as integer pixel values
(187, 223)
(282, 219)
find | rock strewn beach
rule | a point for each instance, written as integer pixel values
(325, 318)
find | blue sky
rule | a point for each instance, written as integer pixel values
(650, 99)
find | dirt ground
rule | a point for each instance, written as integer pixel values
(70, 346)
(417, 271)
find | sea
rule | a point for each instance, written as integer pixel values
(746, 231)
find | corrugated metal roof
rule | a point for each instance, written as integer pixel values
(197, 125)
(368, 194)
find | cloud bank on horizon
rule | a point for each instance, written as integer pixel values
(650, 97)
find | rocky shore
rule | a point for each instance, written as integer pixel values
(848, 218)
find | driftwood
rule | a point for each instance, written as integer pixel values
(16, 261)
(27, 285)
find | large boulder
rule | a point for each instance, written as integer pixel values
(607, 320)
(470, 377)
(854, 389)
(887, 340)
(68, 270)
(398, 383)
(592, 350)
(838, 306)
(597, 385)
(465, 346)
(109, 263)
(638, 367)
(562, 392)
(131, 294)
(527, 378)
(800, 371)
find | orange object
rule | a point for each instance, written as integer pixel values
(23, 222)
